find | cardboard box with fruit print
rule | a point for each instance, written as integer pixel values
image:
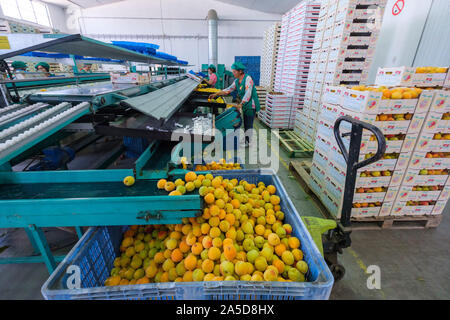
(408, 76)
(425, 177)
(423, 193)
(441, 101)
(387, 101)
(395, 143)
(435, 160)
(418, 208)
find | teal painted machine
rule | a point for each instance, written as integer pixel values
(93, 120)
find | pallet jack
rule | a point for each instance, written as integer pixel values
(332, 236)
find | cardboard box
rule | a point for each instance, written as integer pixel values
(431, 193)
(135, 78)
(427, 143)
(372, 103)
(406, 143)
(436, 122)
(441, 101)
(413, 178)
(425, 160)
(401, 163)
(401, 208)
(407, 76)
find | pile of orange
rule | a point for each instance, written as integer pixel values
(241, 235)
(220, 165)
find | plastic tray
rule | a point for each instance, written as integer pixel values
(95, 252)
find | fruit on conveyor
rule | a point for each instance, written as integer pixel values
(221, 165)
(128, 181)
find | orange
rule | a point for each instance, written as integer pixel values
(298, 254)
(229, 252)
(214, 253)
(187, 277)
(175, 193)
(279, 264)
(222, 214)
(186, 229)
(208, 266)
(235, 203)
(227, 241)
(176, 255)
(214, 210)
(279, 249)
(209, 198)
(205, 228)
(214, 221)
(217, 242)
(207, 242)
(143, 280)
(260, 229)
(161, 183)
(170, 186)
(190, 176)
(159, 258)
(273, 239)
(230, 218)
(184, 247)
(191, 239)
(197, 231)
(216, 183)
(294, 243)
(271, 189)
(196, 248)
(190, 263)
(214, 232)
(206, 213)
(274, 200)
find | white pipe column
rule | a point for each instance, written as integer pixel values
(212, 36)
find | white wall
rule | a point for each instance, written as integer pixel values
(57, 17)
(400, 35)
(434, 49)
(184, 27)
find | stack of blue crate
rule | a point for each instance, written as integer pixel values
(252, 65)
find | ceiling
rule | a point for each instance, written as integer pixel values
(82, 3)
(268, 6)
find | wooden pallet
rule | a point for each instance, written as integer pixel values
(301, 171)
(294, 144)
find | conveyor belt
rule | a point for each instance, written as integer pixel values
(163, 103)
(78, 190)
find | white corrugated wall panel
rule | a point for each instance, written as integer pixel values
(434, 48)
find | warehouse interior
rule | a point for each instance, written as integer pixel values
(339, 192)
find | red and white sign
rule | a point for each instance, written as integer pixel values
(398, 7)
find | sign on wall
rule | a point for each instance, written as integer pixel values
(398, 7)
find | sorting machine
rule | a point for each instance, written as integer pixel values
(62, 151)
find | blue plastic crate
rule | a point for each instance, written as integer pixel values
(96, 250)
(134, 146)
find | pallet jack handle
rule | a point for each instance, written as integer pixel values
(352, 157)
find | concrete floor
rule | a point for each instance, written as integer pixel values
(413, 263)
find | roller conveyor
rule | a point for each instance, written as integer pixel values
(24, 135)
